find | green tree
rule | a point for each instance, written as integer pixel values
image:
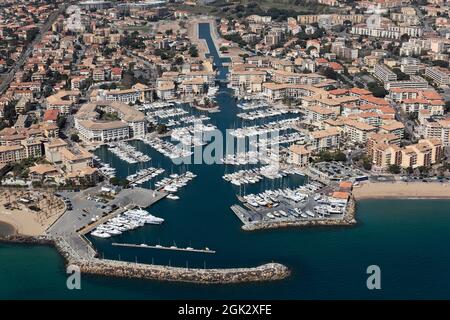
(393, 168)
(193, 51)
(75, 138)
(366, 163)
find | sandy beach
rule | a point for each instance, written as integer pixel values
(22, 218)
(403, 190)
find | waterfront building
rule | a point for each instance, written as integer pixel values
(247, 81)
(299, 155)
(131, 124)
(275, 91)
(436, 129)
(422, 154)
(286, 77)
(138, 92)
(166, 90)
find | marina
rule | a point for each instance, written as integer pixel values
(144, 175)
(127, 153)
(167, 148)
(264, 129)
(160, 247)
(203, 215)
(264, 113)
(192, 135)
(279, 139)
(174, 182)
(126, 221)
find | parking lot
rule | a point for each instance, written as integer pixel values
(337, 171)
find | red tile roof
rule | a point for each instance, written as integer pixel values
(51, 115)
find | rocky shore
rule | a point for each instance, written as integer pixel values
(347, 220)
(112, 268)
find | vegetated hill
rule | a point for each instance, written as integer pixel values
(277, 9)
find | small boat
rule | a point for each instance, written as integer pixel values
(173, 197)
(100, 234)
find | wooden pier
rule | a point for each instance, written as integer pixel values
(173, 248)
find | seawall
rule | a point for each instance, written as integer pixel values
(122, 269)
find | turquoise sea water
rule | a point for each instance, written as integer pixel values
(406, 238)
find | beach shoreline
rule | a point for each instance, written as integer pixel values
(402, 190)
(24, 220)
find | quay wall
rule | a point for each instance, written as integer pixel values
(122, 269)
(347, 220)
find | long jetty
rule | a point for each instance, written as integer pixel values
(122, 269)
(159, 247)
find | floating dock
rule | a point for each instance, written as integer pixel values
(174, 248)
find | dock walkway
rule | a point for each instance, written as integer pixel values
(173, 248)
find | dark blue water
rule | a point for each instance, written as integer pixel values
(406, 238)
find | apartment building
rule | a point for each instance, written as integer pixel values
(27, 148)
(63, 101)
(415, 82)
(422, 154)
(436, 129)
(247, 81)
(356, 131)
(166, 90)
(131, 124)
(393, 127)
(316, 114)
(286, 77)
(299, 155)
(382, 138)
(384, 74)
(138, 92)
(194, 87)
(390, 32)
(440, 76)
(274, 91)
(324, 139)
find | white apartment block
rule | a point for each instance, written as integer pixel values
(415, 82)
(439, 75)
(384, 74)
(392, 32)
